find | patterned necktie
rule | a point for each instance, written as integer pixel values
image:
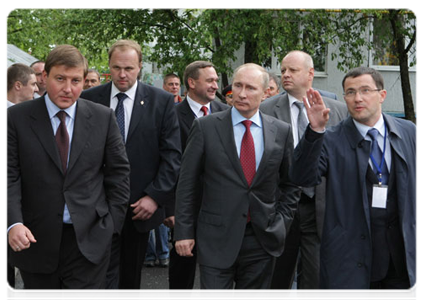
(302, 124)
(120, 114)
(204, 110)
(247, 155)
(377, 156)
(62, 139)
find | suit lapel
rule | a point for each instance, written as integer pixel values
(269, 137)
(81, 132)
(226, 133)
(362, 150)
(141, 102)
(282, 109)
(187, 114)
(42, 128)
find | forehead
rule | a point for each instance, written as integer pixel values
(172, 80)
(248, 76)
(38, 66)
(124, 55)
(293, 59)
(208, 72)
(272, 82)
(359, 81)
(92, 75)
(74, 72)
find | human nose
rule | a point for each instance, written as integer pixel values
(67, 86)
(122, 73)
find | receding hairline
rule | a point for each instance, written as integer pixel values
(307, 59)
(264, 73)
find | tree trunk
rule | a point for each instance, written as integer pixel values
(402, 54)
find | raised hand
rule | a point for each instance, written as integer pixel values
(317, 113)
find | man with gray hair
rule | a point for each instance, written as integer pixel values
(242, 158)
(274, 85)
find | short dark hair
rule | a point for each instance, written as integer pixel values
(168, 76)
(36, 62)
(66, 55)
(18, 72)
(192, 70)
(377, 77)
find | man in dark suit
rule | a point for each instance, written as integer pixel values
(68, 181)
(369, 160)
(200, 79)
(242, 158)
(150, 129)
(306, 230)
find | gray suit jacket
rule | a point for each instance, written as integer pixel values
(278, 107)
(211, 155)
(95, 186)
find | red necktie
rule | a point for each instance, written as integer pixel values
(62, 139)
(204, 110)
(247, 155)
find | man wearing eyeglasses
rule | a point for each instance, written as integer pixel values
(369, 160)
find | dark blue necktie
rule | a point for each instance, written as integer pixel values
(120, 113)
(377, 157)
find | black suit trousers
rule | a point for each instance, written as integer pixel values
(133, 247)
(74, 270)
(182, 269)
(252, 269)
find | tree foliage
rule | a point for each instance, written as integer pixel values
(174, 38)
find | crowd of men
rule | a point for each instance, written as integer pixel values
(263, 187)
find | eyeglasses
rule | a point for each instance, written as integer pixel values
(229, 95)
(362, 91)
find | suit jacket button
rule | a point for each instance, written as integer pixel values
(359, 265)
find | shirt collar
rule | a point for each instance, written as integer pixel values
(130, 93)
(195, 106)
(53, 109)
(363, 129)
(238, 118)
(292, 100)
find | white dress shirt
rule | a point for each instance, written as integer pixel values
(128, 103)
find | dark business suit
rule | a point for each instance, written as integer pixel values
(95, 186)
(342, 155)
(182, 269)
(226, 197)
(311, 209)
(154, 153)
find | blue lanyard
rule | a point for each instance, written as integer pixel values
(379, 167)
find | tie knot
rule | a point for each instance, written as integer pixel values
(247, 124)
(61, 115)
(121, 96)
(204, 109)
(299, 104)
(373, 133)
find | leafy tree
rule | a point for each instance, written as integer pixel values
(175, 38)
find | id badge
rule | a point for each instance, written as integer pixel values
(380, 196)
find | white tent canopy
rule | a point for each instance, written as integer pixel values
(16, 55)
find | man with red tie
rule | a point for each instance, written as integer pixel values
(242, 158)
